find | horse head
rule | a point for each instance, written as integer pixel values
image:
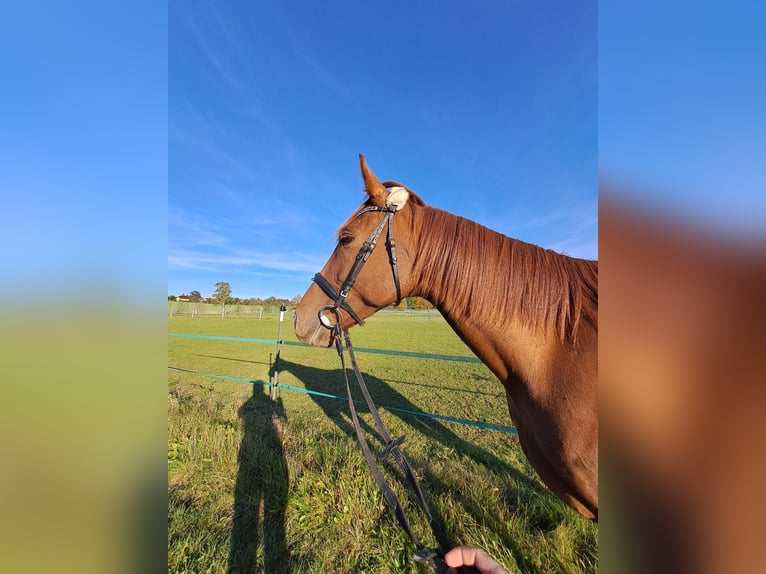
(371, 266)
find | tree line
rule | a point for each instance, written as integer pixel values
(222, 296)
(268, 302)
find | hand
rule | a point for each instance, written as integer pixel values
(476, 557)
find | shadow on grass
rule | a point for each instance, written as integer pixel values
(499, 395)
(331, 381)
(233, 359)
(260, 495)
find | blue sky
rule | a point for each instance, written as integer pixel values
(681, 108)
(83, 151)
(488, 111)
(144, 149)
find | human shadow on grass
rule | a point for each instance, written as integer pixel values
(260, 496)
(332, 382)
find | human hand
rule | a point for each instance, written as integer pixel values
(476, 557)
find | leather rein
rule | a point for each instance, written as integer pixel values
(423, 555)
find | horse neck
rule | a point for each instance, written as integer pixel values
(486, 287)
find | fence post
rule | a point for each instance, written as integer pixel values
(275, 381)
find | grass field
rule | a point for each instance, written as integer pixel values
(256, 486)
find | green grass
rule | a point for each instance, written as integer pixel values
(256, 486)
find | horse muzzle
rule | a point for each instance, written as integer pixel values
(313, 331)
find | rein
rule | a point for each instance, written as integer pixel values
(423, 555)
(433, 557)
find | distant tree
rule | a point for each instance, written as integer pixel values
(296, 300)
(420, 303)
(195, 296)
(414, 303)
(221, 295)
(171, 297)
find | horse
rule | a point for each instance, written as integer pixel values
(530, 314)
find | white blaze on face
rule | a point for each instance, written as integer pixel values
(397, 196)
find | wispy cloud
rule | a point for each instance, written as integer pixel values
(196, 243)
(241, 260)
(571, 230)
(184, 229)
(309, 57)
(214, 56)
(578, 234)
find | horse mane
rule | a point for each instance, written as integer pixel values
(495, 278)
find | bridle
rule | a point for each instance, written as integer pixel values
(339, 297)
(433, 557)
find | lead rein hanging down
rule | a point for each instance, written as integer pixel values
(423, 554)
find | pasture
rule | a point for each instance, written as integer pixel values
(262, 486)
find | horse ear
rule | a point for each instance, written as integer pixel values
(372, 185)
(398, 196)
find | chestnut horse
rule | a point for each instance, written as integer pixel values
(530, 314)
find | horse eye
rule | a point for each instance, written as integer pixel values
(346, 239)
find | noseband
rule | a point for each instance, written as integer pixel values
(339, 297)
